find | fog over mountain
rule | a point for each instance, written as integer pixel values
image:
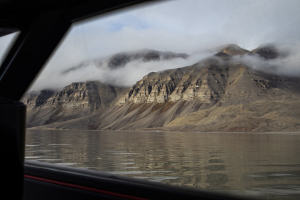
(271, 58)
(126, 68)
(287, 61)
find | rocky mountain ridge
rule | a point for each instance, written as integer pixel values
(73, 101)
(214, 94)
(204, 81)
(190, 83)
(268, 51)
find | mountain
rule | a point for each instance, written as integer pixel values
(267, 52)
(216, 94)
(231, 50)
(204, 81)
(121, 59)
(73, 101)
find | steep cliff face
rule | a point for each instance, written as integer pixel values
(36, 99)
(73, 101)
(203, 81)
(84, 96)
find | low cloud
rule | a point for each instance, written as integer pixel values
(287, 63)
(125, 76)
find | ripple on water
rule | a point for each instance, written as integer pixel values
(127, 163)
(274, 175)
(32, 157)
(59, 144)
(66, 164)
(250, 164)
(126, 172)
(52, 160)
(163, 178)
(282, 190)
(32, 145)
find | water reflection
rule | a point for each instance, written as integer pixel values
(264, 165)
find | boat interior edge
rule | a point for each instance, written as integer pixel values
(48, 181)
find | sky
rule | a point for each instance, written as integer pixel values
(185, 26)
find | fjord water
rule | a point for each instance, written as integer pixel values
(265, 165)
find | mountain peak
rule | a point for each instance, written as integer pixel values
(268, 51)
(231, 50)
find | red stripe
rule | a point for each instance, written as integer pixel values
(83, 188)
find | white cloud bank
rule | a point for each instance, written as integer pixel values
(123, 76)
(288, 62)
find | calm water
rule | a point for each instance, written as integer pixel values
(262, 165)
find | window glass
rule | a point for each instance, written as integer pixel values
(5, 43)
(191, 93)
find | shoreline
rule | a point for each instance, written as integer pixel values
(174, 131)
